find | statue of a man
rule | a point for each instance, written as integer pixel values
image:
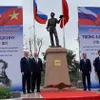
(51, 27)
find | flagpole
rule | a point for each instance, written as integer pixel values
(64, 41)
(34, 35)
(35, 49)
(79, 43)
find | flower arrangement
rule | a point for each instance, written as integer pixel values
(59, 86)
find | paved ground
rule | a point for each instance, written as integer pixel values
(37, 95)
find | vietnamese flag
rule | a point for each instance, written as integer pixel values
(11, 16)
(65, 11)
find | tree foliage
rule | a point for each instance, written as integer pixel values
(73, 66)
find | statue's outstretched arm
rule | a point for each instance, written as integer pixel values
(58, 21)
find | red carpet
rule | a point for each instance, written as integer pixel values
(70, 95)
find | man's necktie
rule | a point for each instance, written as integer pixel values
(36, 59)
(99, 57)
(85, 61)
(27, 59)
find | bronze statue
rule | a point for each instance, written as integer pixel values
(51, 27)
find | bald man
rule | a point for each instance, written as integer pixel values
(25, 70)
(36, 69)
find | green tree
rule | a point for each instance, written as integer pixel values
(73, 66)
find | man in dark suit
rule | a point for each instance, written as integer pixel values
(97, 66)
(85, 67)
(25, 70)
(36, 69)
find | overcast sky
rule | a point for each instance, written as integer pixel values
(46, 6)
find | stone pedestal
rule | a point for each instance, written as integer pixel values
(56, 66)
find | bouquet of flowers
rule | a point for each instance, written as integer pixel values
(59, 86)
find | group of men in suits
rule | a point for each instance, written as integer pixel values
(31, 69)
(85, 68)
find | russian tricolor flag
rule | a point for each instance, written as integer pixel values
(39, 16)
(88, 16)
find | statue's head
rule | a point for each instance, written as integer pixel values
(52, 14)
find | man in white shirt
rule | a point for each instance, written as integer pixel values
(85, 67)
(36, 69)
(25, 70)
(97, 66)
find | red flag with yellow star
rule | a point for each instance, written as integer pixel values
(65, 11)
(11, 16)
